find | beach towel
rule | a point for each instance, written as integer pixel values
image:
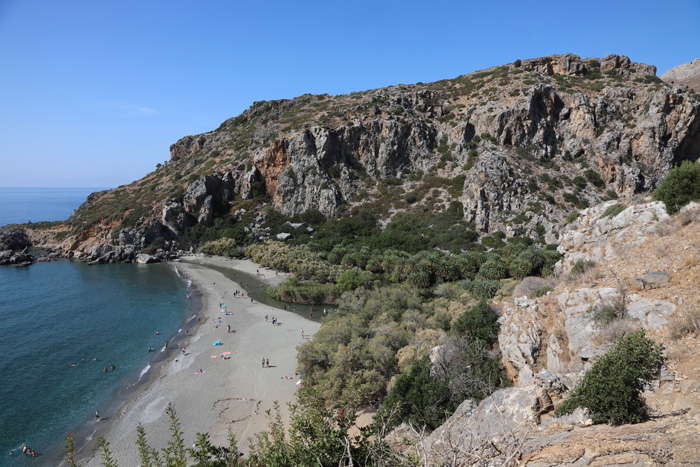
(218, 343)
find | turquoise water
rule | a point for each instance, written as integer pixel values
(56, 314)
(20, 205)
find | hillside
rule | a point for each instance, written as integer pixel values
(518, 146)
(687, 74)
(646, 263)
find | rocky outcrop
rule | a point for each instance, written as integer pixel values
(14, 243)
(687, 74)
(14, 238)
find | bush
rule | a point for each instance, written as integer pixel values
(479, 323)
(350, 280)
(611, 389)
(613, 210)
(680, 187)
(222, 247)
(419, 398)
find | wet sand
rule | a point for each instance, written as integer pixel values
(231, 393)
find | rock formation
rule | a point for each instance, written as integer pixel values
(520, 146)
(687, 74)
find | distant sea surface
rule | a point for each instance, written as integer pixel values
(64, 312)
(20, 205)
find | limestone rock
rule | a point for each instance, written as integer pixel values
(687, 74)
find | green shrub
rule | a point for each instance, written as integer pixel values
(594, 178)
(572, 217)
(581, 266)
(613, 210)
(420, 399)
(479, 322)
(350, 280)
(517, 63)
(222, 247)
(611, 389)
(603, 314)
(680, 187)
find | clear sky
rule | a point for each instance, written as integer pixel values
(94, 92)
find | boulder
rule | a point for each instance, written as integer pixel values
(143, 258)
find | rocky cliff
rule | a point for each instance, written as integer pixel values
(520, 146)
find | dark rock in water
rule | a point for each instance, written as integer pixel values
(14, 238)
(16, 258)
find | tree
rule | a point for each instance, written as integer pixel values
(680, 187)
(611, 389)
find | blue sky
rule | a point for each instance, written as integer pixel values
(93, 93)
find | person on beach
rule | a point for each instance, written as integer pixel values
(267, 363)
(302, 333)
(166, 344)
(266, 318)
(97, 415)
(263, 363)
(324, 312)
(228, 329)
(197, 319)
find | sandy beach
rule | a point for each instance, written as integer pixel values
(231, 394)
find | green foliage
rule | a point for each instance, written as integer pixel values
(350, 280)
(581, 266)
(613, 210)
(457, 185)
(517, 63)
(572, 217)
(354, 354)
(222, 247)
(420, 399)
(680, 187)
(594, 178)
(611, 389)
(479, 323)
(603, 314)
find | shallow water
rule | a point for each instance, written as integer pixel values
(56, 314)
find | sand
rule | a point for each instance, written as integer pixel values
(231, 394)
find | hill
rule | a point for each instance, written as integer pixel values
(518, 147)
(687, 74)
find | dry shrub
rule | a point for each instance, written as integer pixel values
(687, 216)
(685, 321)
(612, 331)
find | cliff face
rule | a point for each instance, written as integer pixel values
(520, 146)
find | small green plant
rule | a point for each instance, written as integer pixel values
(581, 266)
(542, 291)
(613, 210)
(603, 314)
(611, 389)
(572, 217)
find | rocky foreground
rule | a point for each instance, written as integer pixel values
(644, 260)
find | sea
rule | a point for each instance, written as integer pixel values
(74, 338)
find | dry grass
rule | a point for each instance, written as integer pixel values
(685, 321)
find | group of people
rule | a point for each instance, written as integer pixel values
(26, 450)
(266, 362)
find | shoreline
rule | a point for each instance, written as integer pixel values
(231, 394)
